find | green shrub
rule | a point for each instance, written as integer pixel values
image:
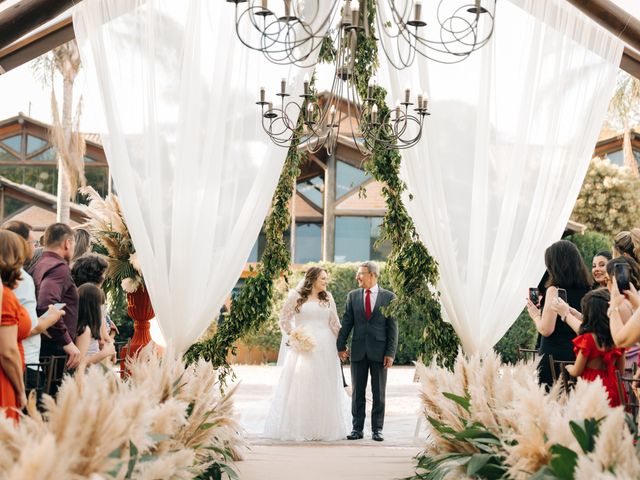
(521, 334)
(590, 243)
(342, 279)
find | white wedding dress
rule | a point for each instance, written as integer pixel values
(310, 402)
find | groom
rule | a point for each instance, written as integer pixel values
(373, 347)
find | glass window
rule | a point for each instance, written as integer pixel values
(348, 177)
(356, 237)
(261, 243)
(636, 154)
(616, 158)
(308, 242)
(12, 205)
(42, 178)
(313, 189)
(49, 155)
(34, 143)
(13, 173)
(7, 157)
(88, 159)
(97, 177)
(14, 143)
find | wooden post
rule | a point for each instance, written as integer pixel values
(329, 227)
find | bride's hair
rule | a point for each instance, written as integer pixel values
(307, 285)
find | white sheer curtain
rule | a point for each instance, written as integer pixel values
(504, 154)
(194, 171)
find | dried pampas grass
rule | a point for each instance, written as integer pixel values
(507, 400)
(99, 425)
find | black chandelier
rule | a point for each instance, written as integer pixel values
(291, 31)
(316, 120)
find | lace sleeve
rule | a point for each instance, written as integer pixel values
(334, 320)
(288, 312)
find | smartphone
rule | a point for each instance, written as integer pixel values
(59, 306)
(621, 272)
(534, 296)
(562, 293)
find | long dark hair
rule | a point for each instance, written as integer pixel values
(305, 290)
(565, 266)
(634, 269)
(91, 299)
(595, 319)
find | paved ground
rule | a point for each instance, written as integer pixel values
(344, 460)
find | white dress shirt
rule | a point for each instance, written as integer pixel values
(374, 296)
(26, 294)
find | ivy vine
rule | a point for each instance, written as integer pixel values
(411, 269)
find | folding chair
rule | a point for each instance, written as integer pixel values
(559, 372)
(630, 401)
(526, 354)
(55, 371)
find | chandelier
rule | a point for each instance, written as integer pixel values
(318, 120)
(291, 31)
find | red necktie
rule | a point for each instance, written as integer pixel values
(367, 304)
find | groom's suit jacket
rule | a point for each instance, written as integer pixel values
(377, 337)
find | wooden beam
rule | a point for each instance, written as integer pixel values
(630, 63)
(35, 45)
(27, 15)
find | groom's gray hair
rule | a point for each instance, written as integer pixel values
(372, 267)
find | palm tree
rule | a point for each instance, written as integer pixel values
(624, 112)
(64, 135)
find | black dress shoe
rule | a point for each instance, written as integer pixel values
(355, 435)
(378, 437)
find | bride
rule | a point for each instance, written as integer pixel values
(310, 402)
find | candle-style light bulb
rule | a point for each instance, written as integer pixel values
(407, 95)
(332, 113)
(283, 86)
(306, 84)
(346, 13)
(355, 16)
(374, 113)
(418, 10)
(397, 109)
(420, 100)
(370, 87)
(262, 94)
(265, 4)
(425, 103)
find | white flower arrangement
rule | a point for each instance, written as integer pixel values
(300, 340)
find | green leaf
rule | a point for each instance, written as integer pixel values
(563, 461)
(464, 402)
(477, 462)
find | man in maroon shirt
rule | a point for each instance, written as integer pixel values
(52, 277)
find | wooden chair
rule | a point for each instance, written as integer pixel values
(630, 401)
(57, 367)
(559, 372)
(41, 370)
(526, 354)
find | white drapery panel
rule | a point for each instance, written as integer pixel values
(504, 155)
(193, 169)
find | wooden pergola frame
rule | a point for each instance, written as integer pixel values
(18, 21)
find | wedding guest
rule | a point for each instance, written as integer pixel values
(91, 268)
(82, 239)
(627, 243)
(596, 353)
(90, 321)
(15, 326)
(25, 292)
(567, 271)
(54, 284)
(599, 268)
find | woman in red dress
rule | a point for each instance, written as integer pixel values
(596, 353)
(14, 326)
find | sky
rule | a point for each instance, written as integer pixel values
(21, 92)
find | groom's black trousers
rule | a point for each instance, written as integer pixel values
(359, 377)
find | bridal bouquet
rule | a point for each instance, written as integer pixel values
(300, 340)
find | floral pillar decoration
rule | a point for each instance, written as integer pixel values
(124, 275)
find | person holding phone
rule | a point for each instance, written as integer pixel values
(566, 272)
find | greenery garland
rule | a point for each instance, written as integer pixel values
(252, 307)
(412, 271)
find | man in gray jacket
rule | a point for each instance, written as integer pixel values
(373, 347)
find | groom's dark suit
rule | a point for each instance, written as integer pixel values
(372, 340)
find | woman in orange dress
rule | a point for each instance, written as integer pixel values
(596, 353)
(14, 326)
